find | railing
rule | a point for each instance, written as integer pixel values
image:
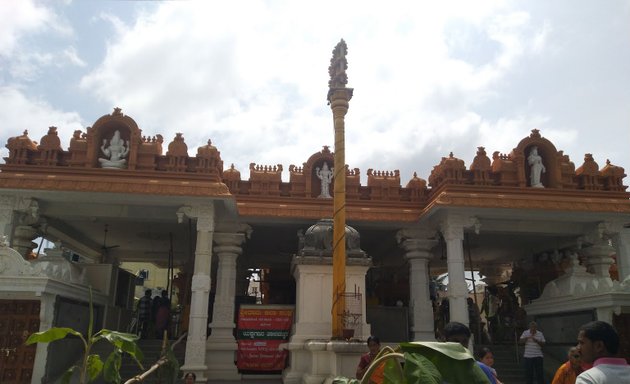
(516, 346)
(161, 361)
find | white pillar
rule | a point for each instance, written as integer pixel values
(17, 214)
(417, 245)
(46, 318)
(621, 241)
(195, 360)
(453, 232)
(221, 344)
(7, 205)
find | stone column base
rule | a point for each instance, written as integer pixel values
(221, 359)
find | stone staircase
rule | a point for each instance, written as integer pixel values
(151, 350)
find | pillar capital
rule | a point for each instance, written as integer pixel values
(228, 239)
(452, 226)
(203, 213)
(415, 233)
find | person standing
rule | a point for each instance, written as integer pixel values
(598, 343)
(533, 356)
(569, 371)
(374, 346)
(163, 315)
(486, 356)
(144, 313)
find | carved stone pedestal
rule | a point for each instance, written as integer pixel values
(313, 356)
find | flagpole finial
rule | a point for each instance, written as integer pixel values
(337, 68)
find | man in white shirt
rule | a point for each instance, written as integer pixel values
(598, 343)
(533, 356)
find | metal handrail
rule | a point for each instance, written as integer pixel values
(516, 345)
(161, 361)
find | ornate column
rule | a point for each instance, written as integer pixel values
(46, 319)
(7, 205)
(195, 360)
(221, 344)
(621, 241)
(453, 231)
(339, 100)
(417, 244)
(17, 216)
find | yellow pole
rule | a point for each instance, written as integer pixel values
(338, 98)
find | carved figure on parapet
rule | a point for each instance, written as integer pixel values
(325, 175)
(115, 152)
(537, 168)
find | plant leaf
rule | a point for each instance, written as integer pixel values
(170, 369)
(126, 342)
(67, 375)
(454, 362)
(419, 370)
(111, 369)
(344, 380)
(391, 371)
(51, 334)
(94, 366)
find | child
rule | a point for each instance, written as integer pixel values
(486, 356)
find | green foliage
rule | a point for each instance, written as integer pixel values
(419, 369)
(111, 374)
(425, 363)
(454, 362)
(91, 364)
(51, 335)
(169, 371)
(94, 366)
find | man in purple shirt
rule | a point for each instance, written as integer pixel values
(598, 343)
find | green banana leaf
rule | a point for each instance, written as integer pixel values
(51, 334)
(420, 370)
(94, 366)
(454, 362)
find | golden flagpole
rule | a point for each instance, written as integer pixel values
(338, 99)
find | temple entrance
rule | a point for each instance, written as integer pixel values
(18, 319)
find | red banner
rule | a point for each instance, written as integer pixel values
(260, 330)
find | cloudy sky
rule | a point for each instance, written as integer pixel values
(429, 77)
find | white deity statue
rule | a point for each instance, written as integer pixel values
(325, 175)
(537, 168)
(116, 152)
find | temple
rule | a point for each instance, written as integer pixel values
(549, 239)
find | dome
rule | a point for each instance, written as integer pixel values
(318, 239)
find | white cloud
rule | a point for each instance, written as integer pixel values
(71, 55)
(18, 18)
(19, 113)
(254, 80)
(429, 77)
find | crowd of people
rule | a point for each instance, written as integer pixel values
(154, 314)
(594, 360)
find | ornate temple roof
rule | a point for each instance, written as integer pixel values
(502, 181)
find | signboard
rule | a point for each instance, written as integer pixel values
(260, 331)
